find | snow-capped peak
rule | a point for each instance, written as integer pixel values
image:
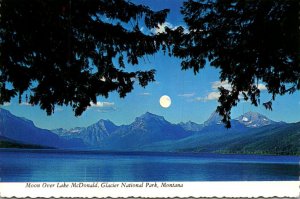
(245, 119)
(254, 120)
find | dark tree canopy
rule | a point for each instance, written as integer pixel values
(249, 41)
(68, 52)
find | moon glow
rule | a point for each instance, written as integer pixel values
(165, 101)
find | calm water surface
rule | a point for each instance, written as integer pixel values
(67, 166)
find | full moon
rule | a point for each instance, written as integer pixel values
(165, 101)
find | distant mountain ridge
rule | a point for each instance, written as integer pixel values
(149, 128)
(191, 126)
(150, 132)
(146, 129)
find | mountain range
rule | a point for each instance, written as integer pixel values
(250, 133)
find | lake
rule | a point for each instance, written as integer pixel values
(67, 166)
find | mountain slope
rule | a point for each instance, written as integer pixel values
(276, 139)
(9, 143)
(24, 131)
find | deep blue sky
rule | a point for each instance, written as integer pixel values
(193, 97)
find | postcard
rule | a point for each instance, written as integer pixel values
(152, 98)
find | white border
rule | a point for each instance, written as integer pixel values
(189, 189)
